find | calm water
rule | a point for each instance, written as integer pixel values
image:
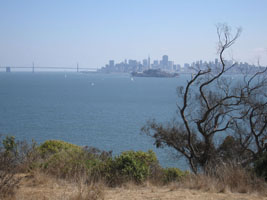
(101, 110)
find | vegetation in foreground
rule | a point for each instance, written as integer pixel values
(60, 160)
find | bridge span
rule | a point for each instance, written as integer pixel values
(34, 68)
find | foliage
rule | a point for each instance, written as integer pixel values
(173, 174)
(130, 166)
(9, 144)
(55, 146)
(65, 164)
(66, 160)
(230, 149)
(59, 158)
(260, 166)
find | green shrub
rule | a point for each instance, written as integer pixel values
(66, 160)
(130, 165)
(66, 164)
(10, 145)
(55, 146)
(260, 166)
(61, 159)
(173, 174)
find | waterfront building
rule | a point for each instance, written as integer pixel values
(164, 62)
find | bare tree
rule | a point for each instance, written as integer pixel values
(251, 127)
(211, 110)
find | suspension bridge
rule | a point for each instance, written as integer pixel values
(34, 68)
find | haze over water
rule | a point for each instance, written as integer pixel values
(100, 110)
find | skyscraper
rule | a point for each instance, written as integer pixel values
(145, 63)
(111, 63)
(165, 61)
(148, 62)
(216, 61)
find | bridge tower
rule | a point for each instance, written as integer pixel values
(77, 67)
(32, 67)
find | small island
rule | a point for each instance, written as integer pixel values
(154, 73)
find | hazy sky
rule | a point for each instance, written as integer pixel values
(62, 32)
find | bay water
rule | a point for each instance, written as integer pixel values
(105, 111)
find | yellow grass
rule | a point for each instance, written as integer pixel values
(38, 186)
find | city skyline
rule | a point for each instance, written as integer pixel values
(61, 33)
(130, 65)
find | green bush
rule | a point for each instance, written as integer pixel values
(173, 174)
(260, 166)
(61, 159)
(10, 145)
(66, 164)
(66, 160)
(70, 161)
(130, 166)
(55, 146)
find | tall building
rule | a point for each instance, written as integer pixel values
(133, 65)
(216, 61)
(111, 63)
(165, 61)
(145, 63)
(170, 65)
(186, 67)
(148, 61)
(178, 67)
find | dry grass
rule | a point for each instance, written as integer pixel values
(92, 192)
(165, 193)
(40, 186)
(37, 185)
(8, 184)
(8, 179)
(225, 179)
